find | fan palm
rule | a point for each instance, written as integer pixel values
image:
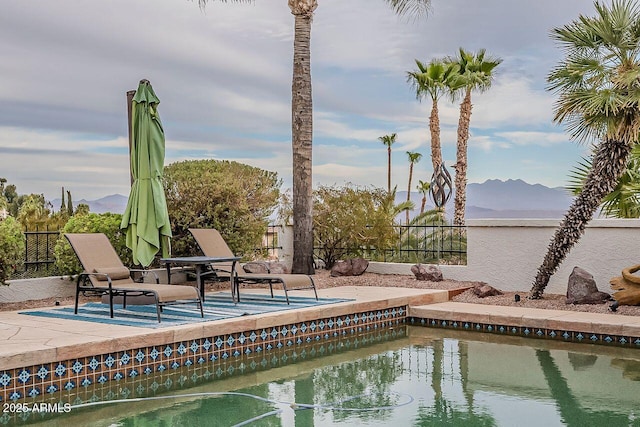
(624, 200)
(475, 74)
(413, 159)
(434, 80)
(388, 140)
(423, 188)
(598, 83)
(302, 121)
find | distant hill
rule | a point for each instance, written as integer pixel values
(491, 199)
(516, 195)
(115, 203)
(505, 199)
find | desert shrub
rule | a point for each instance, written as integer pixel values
(107, 223)
(349, 220)
(11, 248)
(234, 198)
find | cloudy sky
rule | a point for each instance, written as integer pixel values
(224, 79)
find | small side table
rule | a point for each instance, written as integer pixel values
(200, 263)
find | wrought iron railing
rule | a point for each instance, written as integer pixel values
(270, 247)
(39, 257)
(445, 244)
(426, 243)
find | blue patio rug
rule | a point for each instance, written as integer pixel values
(217, 306)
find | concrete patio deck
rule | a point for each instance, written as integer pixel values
(47, 354)
(30, 340)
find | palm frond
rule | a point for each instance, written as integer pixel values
(203, 3)
(578, 176)
(624, 200)
(598, 80)
(415, 8)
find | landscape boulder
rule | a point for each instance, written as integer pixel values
(582, 289)
(483, 290)
(349, 267)
(429, 273)
(276, 267)
(256, 267)
(261, 267)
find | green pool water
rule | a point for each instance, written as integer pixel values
(408, 376)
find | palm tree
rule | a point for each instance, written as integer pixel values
(423, 187)
(388, 140)
(624, 200)
(413, 158)
(475, 74)
(302, 122)
(433, 81)
(598, 83)
(302, 135)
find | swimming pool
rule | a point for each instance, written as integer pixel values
(405, 375)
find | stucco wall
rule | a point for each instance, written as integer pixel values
(506, 253)
(63, 286)
(42, 288)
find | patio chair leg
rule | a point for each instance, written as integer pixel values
(313, 285)
(77, 295)
(235, 290)
(111, 303)
(286, 292)
(158, 308)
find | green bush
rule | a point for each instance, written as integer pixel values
(234, 198)
(107, 223)
(350, 220)
(11, 248)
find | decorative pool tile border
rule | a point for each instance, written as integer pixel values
(528, 332)
(64, 381)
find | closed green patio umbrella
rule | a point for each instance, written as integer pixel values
(146, 217)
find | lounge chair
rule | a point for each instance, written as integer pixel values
(104, 274)
(212, 244)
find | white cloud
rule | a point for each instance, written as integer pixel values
(512, 101)
(544, 139)
(224, 78)
(486, 143)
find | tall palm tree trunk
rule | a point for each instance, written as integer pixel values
(389, 169)
(302, 132)
(609, 163)
(409, 190)
(461, 160)
(434, 128)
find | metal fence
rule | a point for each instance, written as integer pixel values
(426, 243)
(270, 247)
(38, 254)
(445, 244)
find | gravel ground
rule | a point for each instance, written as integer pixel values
(323, 280)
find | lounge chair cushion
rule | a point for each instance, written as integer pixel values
(114, 273)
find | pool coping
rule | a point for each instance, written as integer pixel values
(40, 354)
(571, 326)
(44, 356)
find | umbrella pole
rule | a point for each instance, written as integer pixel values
(130, 95)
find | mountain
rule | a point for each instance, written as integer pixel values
(516, 195)
(115, 203)
(491, 199)
(505, 199)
